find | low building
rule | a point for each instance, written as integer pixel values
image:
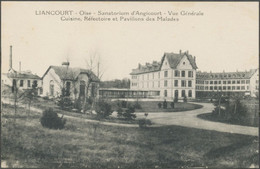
(245, 83)
(173, 77)
(74, 82)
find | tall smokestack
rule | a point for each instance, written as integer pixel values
(20, 66)
(10, 59)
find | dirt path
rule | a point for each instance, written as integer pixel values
(185, 118)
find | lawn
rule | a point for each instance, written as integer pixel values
(251, 117)
(25, 143)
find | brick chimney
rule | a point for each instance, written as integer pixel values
(10, 59)
(180, 51)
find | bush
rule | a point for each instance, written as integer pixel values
(50, 119)
(185, 99)
(103, 109)
(159, 105)
(137, 105)
(124, 104)
(176, 100)
(65, 103)
(172, 105)
(143, 123)
(126, 113)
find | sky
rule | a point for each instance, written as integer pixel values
(224, 38)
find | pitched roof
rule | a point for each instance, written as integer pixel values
(226, 75)
(68, 73)
(173, 59)
(22, 75)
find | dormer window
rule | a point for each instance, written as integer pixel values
(183, 63)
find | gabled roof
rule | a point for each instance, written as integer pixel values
(173, 59)
(226, 75)
(22, 75)
(68, 73)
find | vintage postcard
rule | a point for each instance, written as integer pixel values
(129, 84)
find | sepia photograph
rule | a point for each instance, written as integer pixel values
(129, 84)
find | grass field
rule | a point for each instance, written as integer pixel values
(25, 143)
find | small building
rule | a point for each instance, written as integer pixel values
(126, 93)
(74, 82)
(22, 80)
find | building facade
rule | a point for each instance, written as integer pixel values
(74, 82)
(173, 77)
(245, 83)
(176, 75)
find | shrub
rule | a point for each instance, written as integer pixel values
(65, 103)
(165, 104)
(124, 103)
(185, 99)
(50, 119)
(137, 105)
(126, 113)
(172, 105)
(103, 109)
(159, 105)
(143, 123)
(176, 100)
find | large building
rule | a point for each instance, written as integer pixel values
(173, 77)
(176, 75)
(245, 83)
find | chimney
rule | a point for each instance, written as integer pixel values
(20, 66)
(195, 59)
(180, 51)
(65, 64)
(139, 66)
(10, 59)
(187, 52)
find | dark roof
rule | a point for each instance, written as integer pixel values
(68, 73)
(173, 59)
(226, 75)
(22, 75)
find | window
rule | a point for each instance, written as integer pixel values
(219, 82)
(247, 87)
(147, 84)
(183, 83)
(224, 82)
(158, 75)
(233, 82)
(35, 84)
(165, 93)
(238, 87)
(176, 94)
(211, 82)
(229, 82)
(215, 82)
(29, 83)
(68, 84)
(153, 84)
(158, 83)
(233, 87)
(177, 73)
(242, 81)
(189, 83)
(206, 88)
(247, 81)
(21, 83)
(166, 73)
(229, 88)
(183, 73)
(224, 87)
(190, 93)
(183, 93)
(82, 88)
(183, 63)
(219, 88)
(165, 83)
(238, 81)
(211, 87)
(51, 88)
(190, 74)
(206, 82)
(175, 83)
(242, 87)
(215, 88)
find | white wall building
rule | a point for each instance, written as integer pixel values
(173, 77)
